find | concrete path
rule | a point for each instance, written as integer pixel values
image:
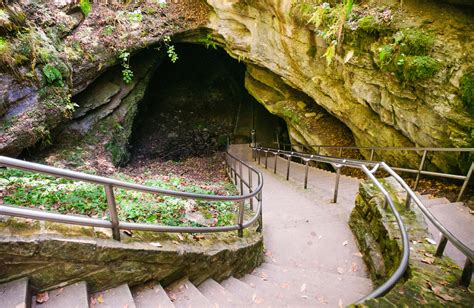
(309, 245)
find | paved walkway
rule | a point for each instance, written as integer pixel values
(307, 238)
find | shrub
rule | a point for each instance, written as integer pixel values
(419, 67)
(52, 75)
(85, 6)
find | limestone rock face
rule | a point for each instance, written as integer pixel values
(379, 109)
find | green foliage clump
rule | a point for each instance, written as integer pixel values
(52, 75)
(369, 24)
(466, 88)
(419, 67)
(408, 56)
(414, 42)
(170, 49)
(27, 189)
(85, 6)
(127, 73)
(209, 41)
(120, 156)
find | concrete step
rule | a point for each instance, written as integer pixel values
(245, 293)
(217, 295)
(15, 294)
(116, 297)
(184, 294)
(457, 219)
(271, 296)
(151, 295)
(429, 200)
(72, 296)
(318, 287)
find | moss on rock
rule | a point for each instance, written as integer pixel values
(466, 88)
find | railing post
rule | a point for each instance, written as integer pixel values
(466, 274)
(441, 246)
(372, 153)
(260, 219)
(306, 169)
(422, 163)
(340, 152)
(241, 219)
(266, 159)
(258, 156)
(250, 188)
(466, 181)
(109, 192)
(241, 179)
(408, 201)
(275, 162)
(288, 168)
(336, 186)
(235, 172)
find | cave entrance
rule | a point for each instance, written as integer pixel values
(191, 106)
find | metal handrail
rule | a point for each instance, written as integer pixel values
(109, 184)
(419, 171)
(369, 168)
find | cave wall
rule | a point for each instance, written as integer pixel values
(378, 108)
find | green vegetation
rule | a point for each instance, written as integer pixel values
(170, 50)
(329, 21)
(53, 75)
(85, 6)
(127, 73)
(466, 88)
(209, 41)
(369, 24)
(135, 16)
(64, 196)
(407, 56)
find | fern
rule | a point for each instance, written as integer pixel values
(85, 6)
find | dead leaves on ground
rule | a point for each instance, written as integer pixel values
(42, 297)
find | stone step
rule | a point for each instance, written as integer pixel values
(151, 295)
(302, 287)
(328, 246)
(429, 200)
(73, 296)
(15, 294)
(245, 293)
(184, 294)
(271, 296)
(217, 295)
(116, 297)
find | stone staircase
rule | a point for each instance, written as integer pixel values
(311, 258)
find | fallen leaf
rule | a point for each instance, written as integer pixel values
(345, 243)
(320, 237)
(256, 299)
(100, 299)
(304, 296)
(264, 276)
(128, 232)
(303, 287)
(340, 270)
(284, 286)
(156, 244)
(428, 260)
(42, 297)
(340, 304)
(180, 236)
(429, 254)
(431, 241)
(357, 254)
(438, 291)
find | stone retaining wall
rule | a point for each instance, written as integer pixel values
(53, 255)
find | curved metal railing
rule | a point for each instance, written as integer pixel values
(418, 172)
(369, 168)
(234, 168)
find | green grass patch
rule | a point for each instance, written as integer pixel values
(21, 188)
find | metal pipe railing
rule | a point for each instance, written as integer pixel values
(234, 168)
(419, 171)
(369, 168)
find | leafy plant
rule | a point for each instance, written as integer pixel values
(85, 6)
(108, 30)
(127, 73)
(135, 16)
(170, 49)
(53, 75)
(209, 41)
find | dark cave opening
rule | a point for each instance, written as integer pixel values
(191, 106)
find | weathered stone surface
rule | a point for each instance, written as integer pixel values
(63, 254)
(374, 105)
(428, 280)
